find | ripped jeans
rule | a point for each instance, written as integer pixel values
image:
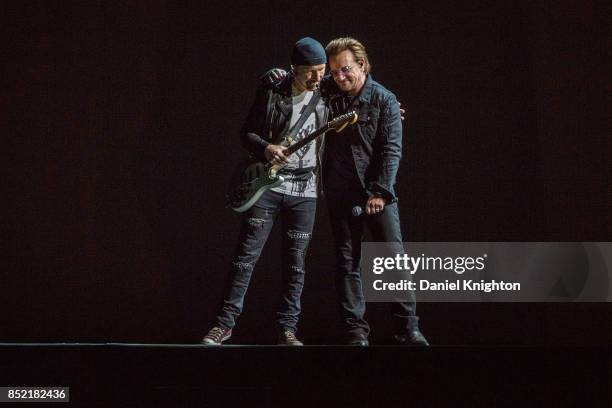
(297, 216)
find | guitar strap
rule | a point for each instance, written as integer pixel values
(306, 173)
(306, 112)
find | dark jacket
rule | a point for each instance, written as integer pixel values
(378, 148)
(269, 117)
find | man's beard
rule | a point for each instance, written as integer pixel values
(312, 86)
(346, 85)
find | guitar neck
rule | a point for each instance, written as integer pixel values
(298, 145)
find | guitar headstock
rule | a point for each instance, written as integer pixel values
(339, 123)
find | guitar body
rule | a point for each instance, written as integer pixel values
(257, 178)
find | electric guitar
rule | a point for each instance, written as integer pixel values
(258, 177)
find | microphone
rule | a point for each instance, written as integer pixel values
(358, 211)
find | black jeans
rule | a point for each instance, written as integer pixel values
(297, 216)
(348, 231)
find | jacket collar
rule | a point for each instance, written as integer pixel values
(284, 87)
(366, 92)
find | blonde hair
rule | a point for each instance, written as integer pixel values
(339, 45)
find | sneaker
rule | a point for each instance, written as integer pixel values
(216, 336)
(413, 337)
(288, 338)
(357, 339)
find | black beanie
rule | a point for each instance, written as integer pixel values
(308, 51)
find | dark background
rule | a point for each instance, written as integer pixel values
(121, 124)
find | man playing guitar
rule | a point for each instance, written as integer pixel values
(282, 113)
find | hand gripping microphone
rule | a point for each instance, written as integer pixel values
(358, 211)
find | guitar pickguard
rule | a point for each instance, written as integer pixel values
(257, 179)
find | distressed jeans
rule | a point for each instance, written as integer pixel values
(297, 216)
(348, 231)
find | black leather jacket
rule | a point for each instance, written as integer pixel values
(378, 149)
(269, 117)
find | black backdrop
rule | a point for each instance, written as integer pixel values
(122, 122)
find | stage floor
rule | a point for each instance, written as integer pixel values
(187, 375)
